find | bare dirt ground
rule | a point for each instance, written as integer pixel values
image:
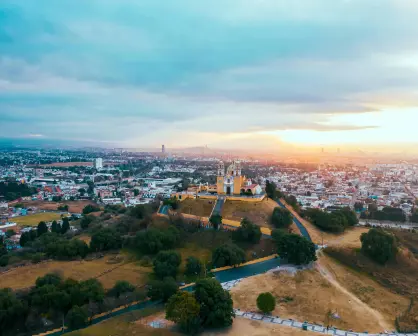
(26, 276)
(244, 327)
(197, 207)
(312, 295)
(73, 206)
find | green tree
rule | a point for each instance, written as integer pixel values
(183, 309)
(55, 227)
(281, 218)
(77, 318)
(65, 225)
(166, 264)
(266, 302)
(162, 289)
(216, 306)
(89, 208)
(296, 249)
(378, 245)
(42, 228)
(228, 255)
(12, 310)
(86, 221)
(193, 266)
(153, 240)
(24, 239)
(216, 221)
(248, 232)
(271, 189)
(121, 287)
(105, 239)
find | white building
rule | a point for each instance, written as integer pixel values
(98, 163)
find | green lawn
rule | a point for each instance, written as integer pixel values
(33, 220)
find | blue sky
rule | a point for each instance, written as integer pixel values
(228, 73)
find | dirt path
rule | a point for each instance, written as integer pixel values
(329, 277)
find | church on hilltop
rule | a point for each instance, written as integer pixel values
(232, 182)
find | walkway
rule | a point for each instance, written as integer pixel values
(311, 327)
(164, 210)
(300, 226)
(217, 209)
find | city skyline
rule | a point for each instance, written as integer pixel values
(255, 75)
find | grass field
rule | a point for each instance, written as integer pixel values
(123, 325)
(197, 207)
(26, 276)
(309, 296)
(33, 220)
(257, 212)
(399, 276)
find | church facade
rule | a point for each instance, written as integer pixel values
(232, 182)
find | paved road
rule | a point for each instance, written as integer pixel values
(300, 226)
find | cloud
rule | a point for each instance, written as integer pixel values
(145, 72)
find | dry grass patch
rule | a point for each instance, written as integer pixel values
(33, 220)
(307, 296)
(350, 238)
(26, 276)
(197, 206)
(257, 212)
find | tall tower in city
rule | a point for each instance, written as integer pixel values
(163, 149)
(98, 163)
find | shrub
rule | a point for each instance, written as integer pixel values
(228, 255)
(266, 302)
(281, 218)
(378, 245)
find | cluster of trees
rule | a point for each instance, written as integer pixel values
(58, 298)
(55, 245)
(227, 255)
(247, 232)
(336, 221)
(89, 208)
(152, 240)
(13, 190)
(281, 218)
(379, 245)
(387, 213)
(294, 248)
(3, 253)
(42, 229)
(210, 306)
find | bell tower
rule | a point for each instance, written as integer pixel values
(220, 178)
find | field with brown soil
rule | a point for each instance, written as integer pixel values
(73, 206)
(309, 295)
(117, 268)
(198, 207)
(257, 212)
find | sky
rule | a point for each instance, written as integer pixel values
(256, 74)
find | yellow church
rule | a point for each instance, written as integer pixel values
(232, 182)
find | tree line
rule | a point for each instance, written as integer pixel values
(60, 300)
